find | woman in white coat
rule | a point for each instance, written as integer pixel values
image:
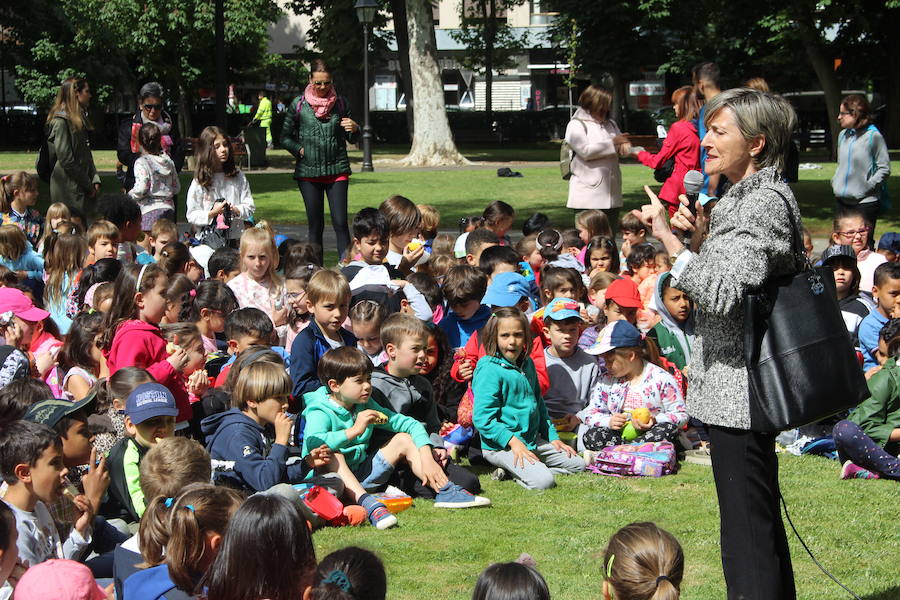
(596, 141)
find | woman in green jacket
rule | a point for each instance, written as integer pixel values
(74, 178)
(316, 129)
(869, 440)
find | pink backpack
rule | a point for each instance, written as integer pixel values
(650, 459)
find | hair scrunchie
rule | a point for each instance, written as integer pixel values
(340, 579)
(660, 578)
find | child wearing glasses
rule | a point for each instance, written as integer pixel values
(852, 229)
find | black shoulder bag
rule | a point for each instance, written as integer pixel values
(801, 365)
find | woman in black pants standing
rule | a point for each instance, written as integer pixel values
(316, 130)
(749, 240)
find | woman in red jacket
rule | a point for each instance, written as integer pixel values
(682, 143)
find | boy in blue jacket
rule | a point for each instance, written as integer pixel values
(328, 300)
(238, 436)
(464, 287)
(886, 292)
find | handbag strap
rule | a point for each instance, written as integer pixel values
(796, 237)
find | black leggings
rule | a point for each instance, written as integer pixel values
(314, 199)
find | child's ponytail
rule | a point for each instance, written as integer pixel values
(202, 508)
(211, 294)
(153, 531)
(644, 562)
(12, 183)
(349, 574)
(549, 243)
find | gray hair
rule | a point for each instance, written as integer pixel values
(151, 89)
(759, 114)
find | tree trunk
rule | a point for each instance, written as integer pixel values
(618, 112)
(487, 13)
(432, 143)
(398, 8)
(823, 66)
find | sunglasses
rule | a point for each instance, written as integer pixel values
(153, 107)
(321, 83)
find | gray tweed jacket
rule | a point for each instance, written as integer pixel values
(749, 240)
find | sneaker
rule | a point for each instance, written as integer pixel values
(453, 496)
(588, 456)
(499, 474)
(382, 518)
(852, 471)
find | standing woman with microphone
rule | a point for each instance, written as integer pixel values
(681, 143)
(749, 240)
(317, 127)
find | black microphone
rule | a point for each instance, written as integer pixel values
(693, 181)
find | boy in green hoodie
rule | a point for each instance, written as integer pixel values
(675, 331)
(342, 416)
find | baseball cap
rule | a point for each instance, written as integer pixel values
(833, 251)
(624, 292)
(890, 241)
(560, 309)
(51, 412)
(13, 365)
(618, 334)
(16, 302)
(150, 400)
(58, 579)
(506, 289)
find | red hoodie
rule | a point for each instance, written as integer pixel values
(140, 344)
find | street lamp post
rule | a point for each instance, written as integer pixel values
(365, 11)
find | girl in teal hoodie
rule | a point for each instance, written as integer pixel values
(517, 436)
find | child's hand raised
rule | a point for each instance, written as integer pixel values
(283, 424)
(410, 258)
(96, 480)
(178, 356)
(617, 421)
(466, 370)
(198, 382)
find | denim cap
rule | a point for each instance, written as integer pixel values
(506, 289)
(618, 334)
(561, 309)
(150, 400)
(890, 241)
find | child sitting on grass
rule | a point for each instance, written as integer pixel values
(399, 385)
(570, 370)
(517, 436)
(344, 419)
(31, 461)
(642, 562)
(886, 291)
(600, 282)
(349, 574)
(630, 390)
(259, 401)
(150, 413)
(868, 441)
(328, 299)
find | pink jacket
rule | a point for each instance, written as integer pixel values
(140, 344)
(596, 180)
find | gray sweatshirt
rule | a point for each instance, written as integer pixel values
(571, 382)
(863, 165)
(410, 396)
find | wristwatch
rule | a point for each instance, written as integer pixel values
(674, 257)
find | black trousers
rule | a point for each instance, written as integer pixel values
(755, 555)
(314, 200)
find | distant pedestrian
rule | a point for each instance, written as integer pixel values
(74, 178)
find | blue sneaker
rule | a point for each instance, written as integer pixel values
(453, 496)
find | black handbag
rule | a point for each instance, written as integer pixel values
(664, 171)
(801, 364)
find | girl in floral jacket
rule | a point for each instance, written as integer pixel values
(633, 400)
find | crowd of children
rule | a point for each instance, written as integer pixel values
(170, 404)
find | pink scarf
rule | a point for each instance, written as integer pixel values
(322, 106)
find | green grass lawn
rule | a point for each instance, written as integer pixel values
(461, 192)
(851, 526)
